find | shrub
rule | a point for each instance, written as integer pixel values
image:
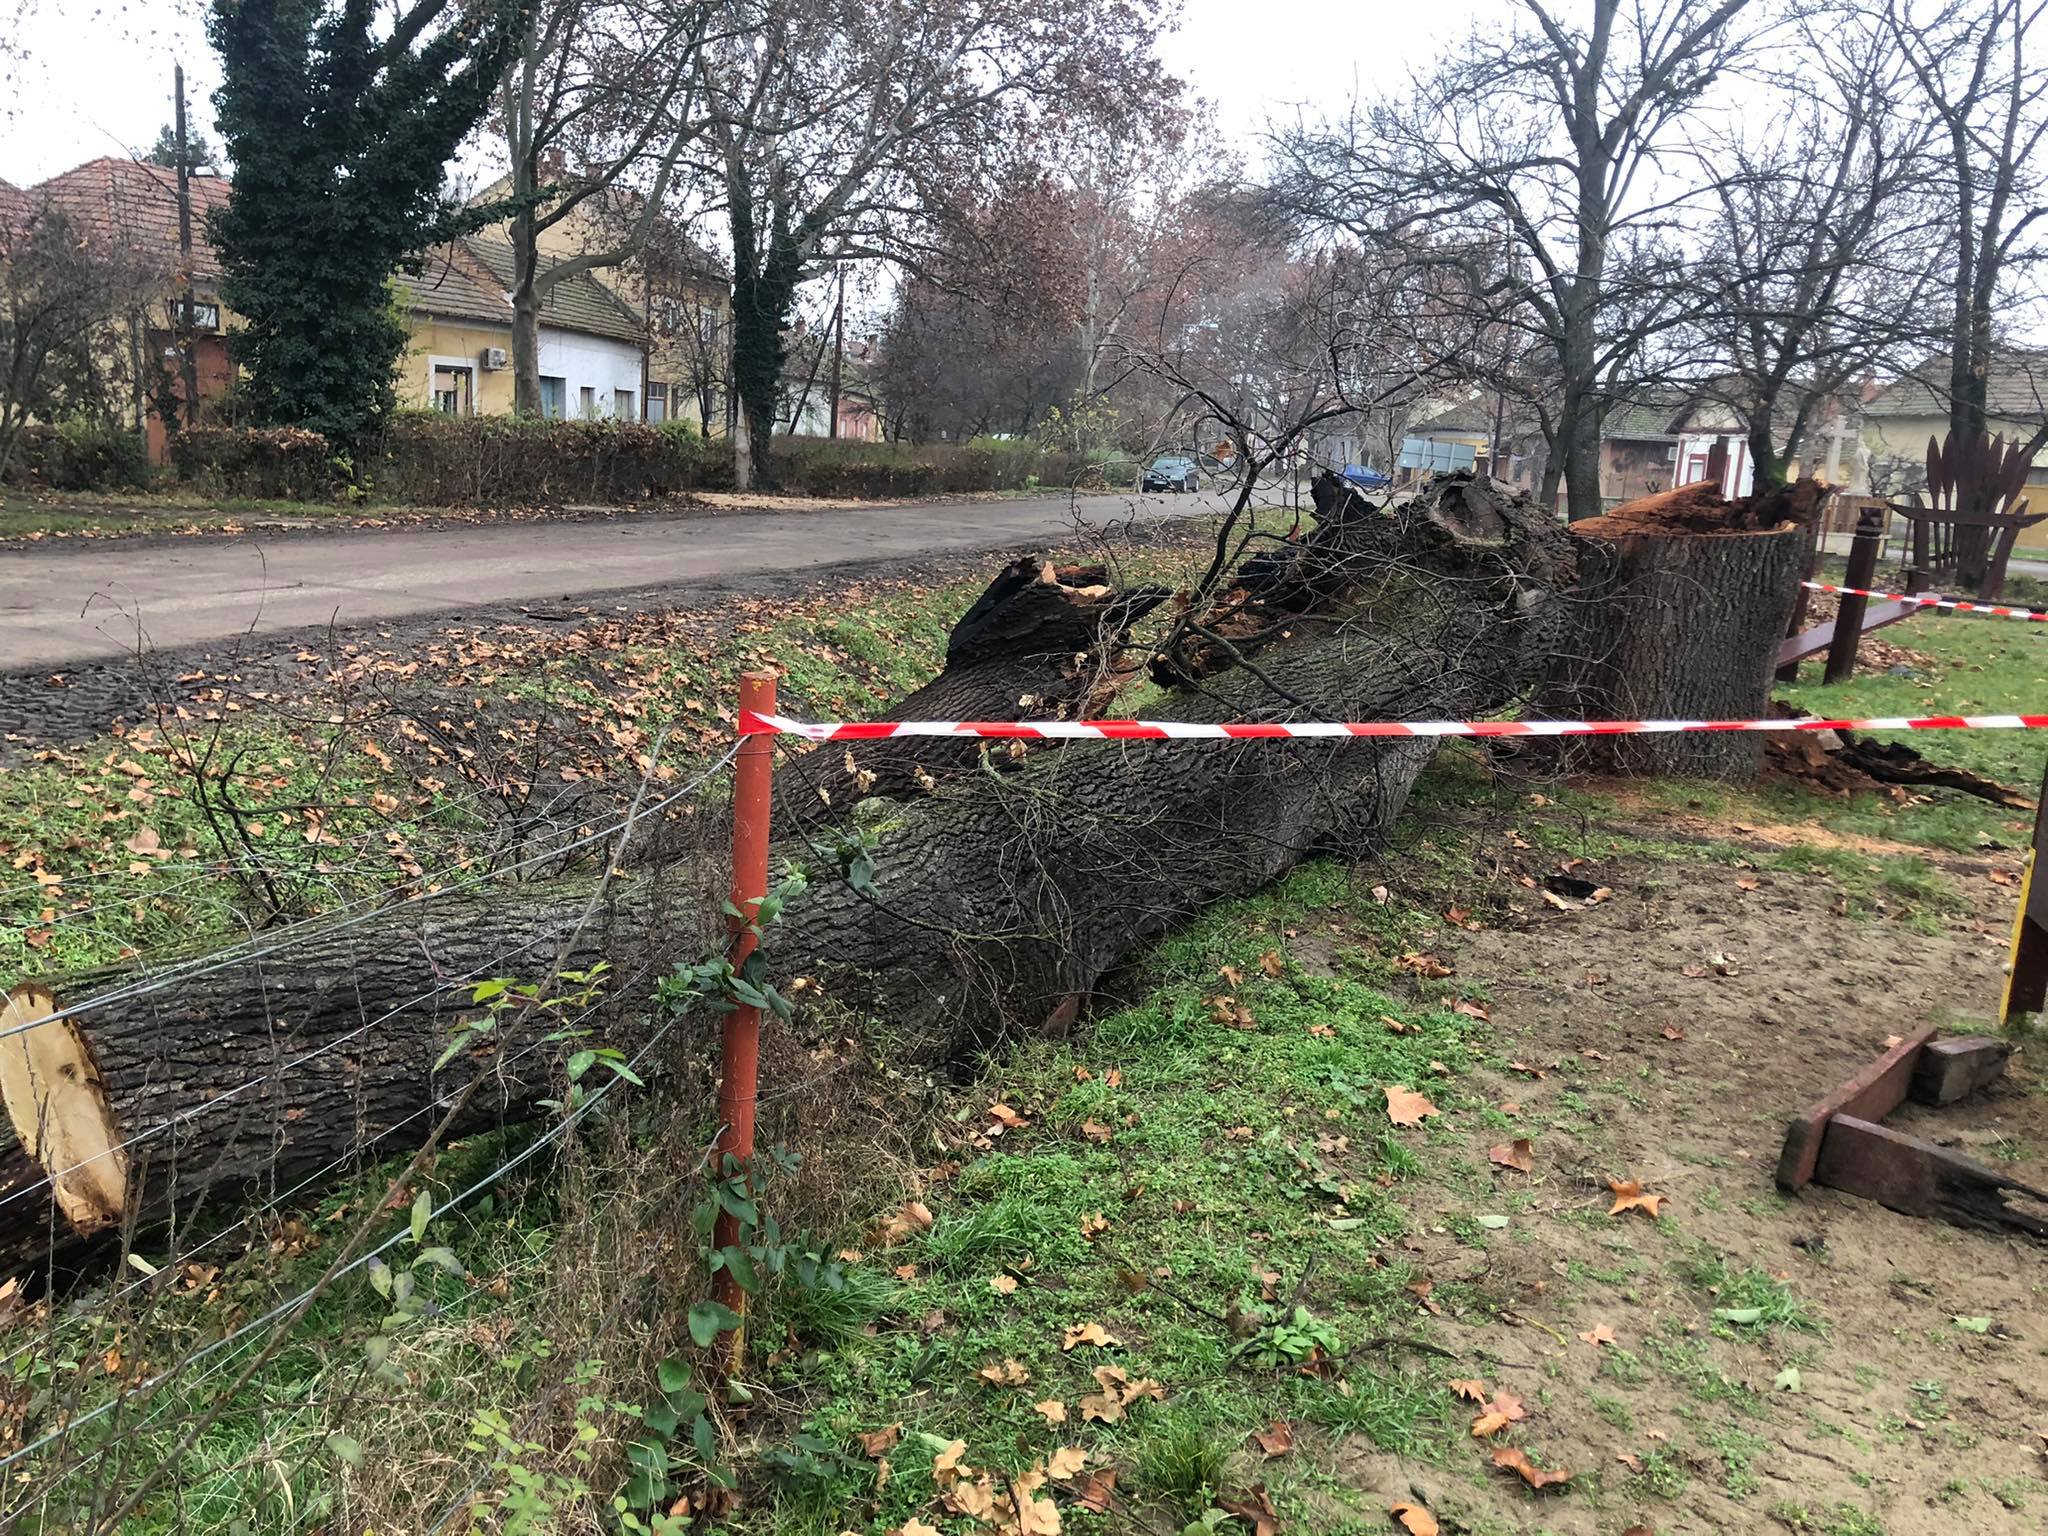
(80, 455)
(266, 462)
(437, 460)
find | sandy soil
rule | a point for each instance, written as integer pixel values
(1667, 1034)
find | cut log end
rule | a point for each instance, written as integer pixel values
(59, 1111)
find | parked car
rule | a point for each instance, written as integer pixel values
(1367, 478)
(1172, 472)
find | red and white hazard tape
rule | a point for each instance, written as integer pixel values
(752, 724)
(1930, 602)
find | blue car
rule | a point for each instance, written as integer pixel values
(1367, 479)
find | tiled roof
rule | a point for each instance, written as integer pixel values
(452, 285)
(133, 207)
(579, 303)
(1647, 418)
(2016, 387)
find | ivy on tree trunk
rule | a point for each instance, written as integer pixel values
(340, 126)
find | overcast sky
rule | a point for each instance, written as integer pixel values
(83, 78)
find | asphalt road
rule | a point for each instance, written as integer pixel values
(62, 607)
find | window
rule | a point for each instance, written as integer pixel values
(707, 320)
(452, 390)
(554, 396)
(623, 405)
(589, 402)
(657, 401)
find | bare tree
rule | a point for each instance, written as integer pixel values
(1535, 162)
(847, 129)
(57, 286)
(602, 94)
(1989, 95)
(1825, 247)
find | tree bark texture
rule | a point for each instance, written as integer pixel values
(1040, 643)
(999, 900)
(1683, 599)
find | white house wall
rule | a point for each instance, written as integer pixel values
(596, 362)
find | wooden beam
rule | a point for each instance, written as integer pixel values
(1917, 1178)
(1871, 1094)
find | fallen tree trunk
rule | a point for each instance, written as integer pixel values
(998, 900)
(1041, 642)
(1682, 602)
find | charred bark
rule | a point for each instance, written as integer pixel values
(998, 900)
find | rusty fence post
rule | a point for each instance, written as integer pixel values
(740, 1047)
(1849, 615)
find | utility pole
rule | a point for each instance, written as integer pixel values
(838, 349)
(188, 361)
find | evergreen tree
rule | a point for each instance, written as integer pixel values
(340, 126)
(200, 157)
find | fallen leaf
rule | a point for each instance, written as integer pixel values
(1629, 1196)
(1407, 1107)
(879, 1442)
(1095, 1130)
(1006, 1117)
(1489, 1423)
(1101, 1408)
(1597, 1335)
(1322, 1032)
(1276, 1440)
(1787, 1380)
(1473, 1390)
(1255, 1508)
(1745, 884)
(1089, 1333)
(1695, 972)
(1093, 1224)
(1630, 1460)
(1396, 1026)
(145, 841)
(1003, 1285)
(1415, 1520)
(1515, 1459)
(1423, 965)
(1508, 1406)
(1065, 1462)
(1052, 1410)
(915, 1527)
(914, 1217)
(1271, 963)
(1232, 974)
(1472, 1011)
(1097, 1490)
(946, 1467)
(1011, 1373)
(1673, 1032)
(1519, 1154)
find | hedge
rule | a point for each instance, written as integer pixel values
(78, 456)
(427, 459)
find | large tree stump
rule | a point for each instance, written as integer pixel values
(1683, 598)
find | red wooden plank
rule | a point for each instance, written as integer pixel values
(1871, 1094)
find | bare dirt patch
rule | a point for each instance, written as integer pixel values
(1665, 1035)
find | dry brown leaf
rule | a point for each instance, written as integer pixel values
(1003, 1285)
(146, 840)
(1007, 1118)
(1396, 1026)
(1489, 1423)
(915, 1217)
(946, 1466)
(1089, 1333)
(915, 1527)
(1011, 1373)
(1632, 1461)
(1065, 1462)
(1322, 1032)
(1093, 1223)
(1519, 1154)
(1420, 964)
(1271, 963)
(1673, 1032)
(1255, 1508)
(1508, 1406)
(1232, 974)
(1414, 1519)
(1052, 1410)
(1407, 1107)
(1275, 1440)
(1516, 1460)
(1472, 1011)
(1629, 1196)
(1102, 1408)
(1597, 1335)
(1472, 1390)
(1114, 1077)
(1095, 1130)
(1746, 884)
(1097, 1491)
(879, 1442)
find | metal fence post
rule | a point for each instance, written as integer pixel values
(740, 1048)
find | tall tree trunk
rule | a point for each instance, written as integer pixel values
(526, 399)
(1767, 471)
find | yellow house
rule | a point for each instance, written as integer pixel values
(675, 287)
(1899, 419)
(593, 353)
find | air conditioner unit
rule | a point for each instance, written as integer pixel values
(494, 357)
